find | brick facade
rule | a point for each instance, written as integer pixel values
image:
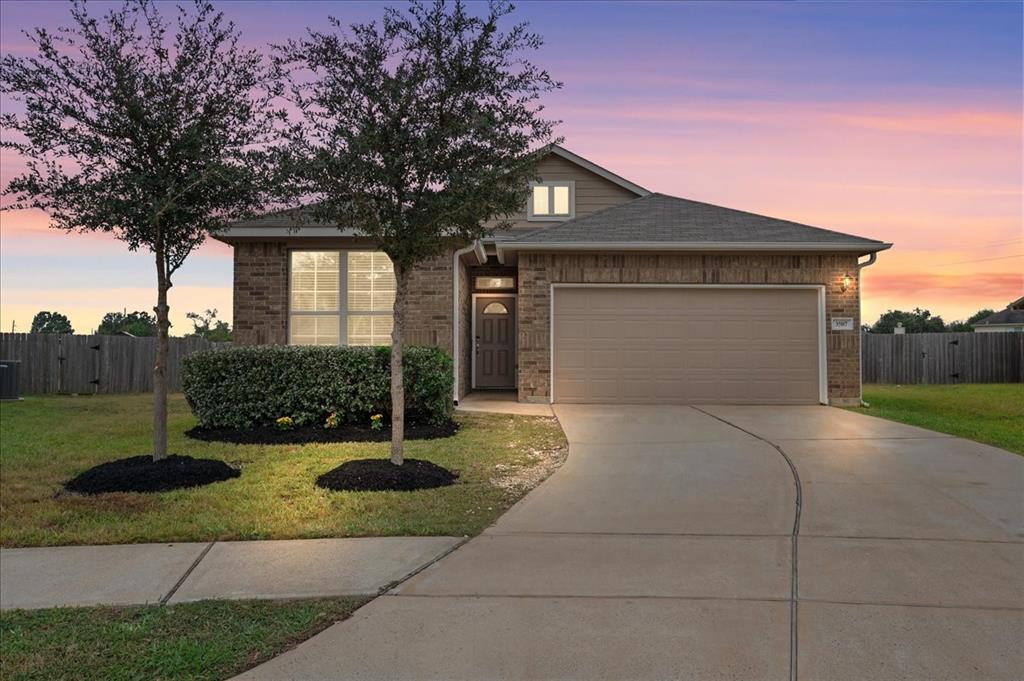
(537, 271)
(429, 310)
(261, 300)
(260, 315)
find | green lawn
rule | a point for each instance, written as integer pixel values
(989, 413)
(44, 441)
(205, 640)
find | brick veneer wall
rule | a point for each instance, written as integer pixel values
(429, 309)
(537, 271)
(260, 314)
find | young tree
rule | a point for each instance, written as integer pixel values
(415, 131)
(143, 128)
(51, 322)
(209, 327)
(138, 323)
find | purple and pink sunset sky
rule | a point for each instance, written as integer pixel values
(897, 121)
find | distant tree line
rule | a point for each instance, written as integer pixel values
(922, 321)
(137, 323)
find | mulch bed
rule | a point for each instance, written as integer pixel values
(379, 475)
(305, 434)
(142, 474)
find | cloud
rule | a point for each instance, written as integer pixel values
(908, 117)
(971, 285)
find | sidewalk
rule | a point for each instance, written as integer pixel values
(129, 574)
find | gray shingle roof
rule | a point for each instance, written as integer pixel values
(1007, 316)
(660, 218)
(290, 217)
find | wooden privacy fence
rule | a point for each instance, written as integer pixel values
(78, 364)
(943, 358)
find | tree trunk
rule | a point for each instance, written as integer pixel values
(163, 325)
(397, 385)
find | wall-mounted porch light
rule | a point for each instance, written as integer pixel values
(846, 283)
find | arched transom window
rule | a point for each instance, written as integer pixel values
(495, 308)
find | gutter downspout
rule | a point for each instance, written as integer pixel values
(456, 355)
(872, 257)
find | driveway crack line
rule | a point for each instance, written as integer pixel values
(794, 597)
(193, 566)
(391, 586)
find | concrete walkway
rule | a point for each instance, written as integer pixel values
(719, 542)
(175, 573)
(502, 402)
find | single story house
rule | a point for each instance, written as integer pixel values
(598, 291)
(1010, 319)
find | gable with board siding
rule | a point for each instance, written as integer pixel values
(593, 192)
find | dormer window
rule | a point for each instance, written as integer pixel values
(552, 201)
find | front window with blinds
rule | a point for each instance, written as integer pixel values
(341, 298)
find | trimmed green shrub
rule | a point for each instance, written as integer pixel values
(253, 386)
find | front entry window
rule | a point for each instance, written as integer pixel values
(495, 308)
(495, 283)
(340, 298)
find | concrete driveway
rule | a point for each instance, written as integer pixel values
(718, 543)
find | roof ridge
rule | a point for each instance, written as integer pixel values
(770, 217)
(599, 170)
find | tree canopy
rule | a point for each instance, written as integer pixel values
(922, 321)
(145, 136)
(979, 315)
(138, 323)
(209, 327)
(917, 321)
(51, 322)
(416, 129)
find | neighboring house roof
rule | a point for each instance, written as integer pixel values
(1012, 315)
(659, 220)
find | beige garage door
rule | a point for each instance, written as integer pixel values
(686, 345)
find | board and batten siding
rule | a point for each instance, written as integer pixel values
(593, 192)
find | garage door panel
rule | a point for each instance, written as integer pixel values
(668, 345)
